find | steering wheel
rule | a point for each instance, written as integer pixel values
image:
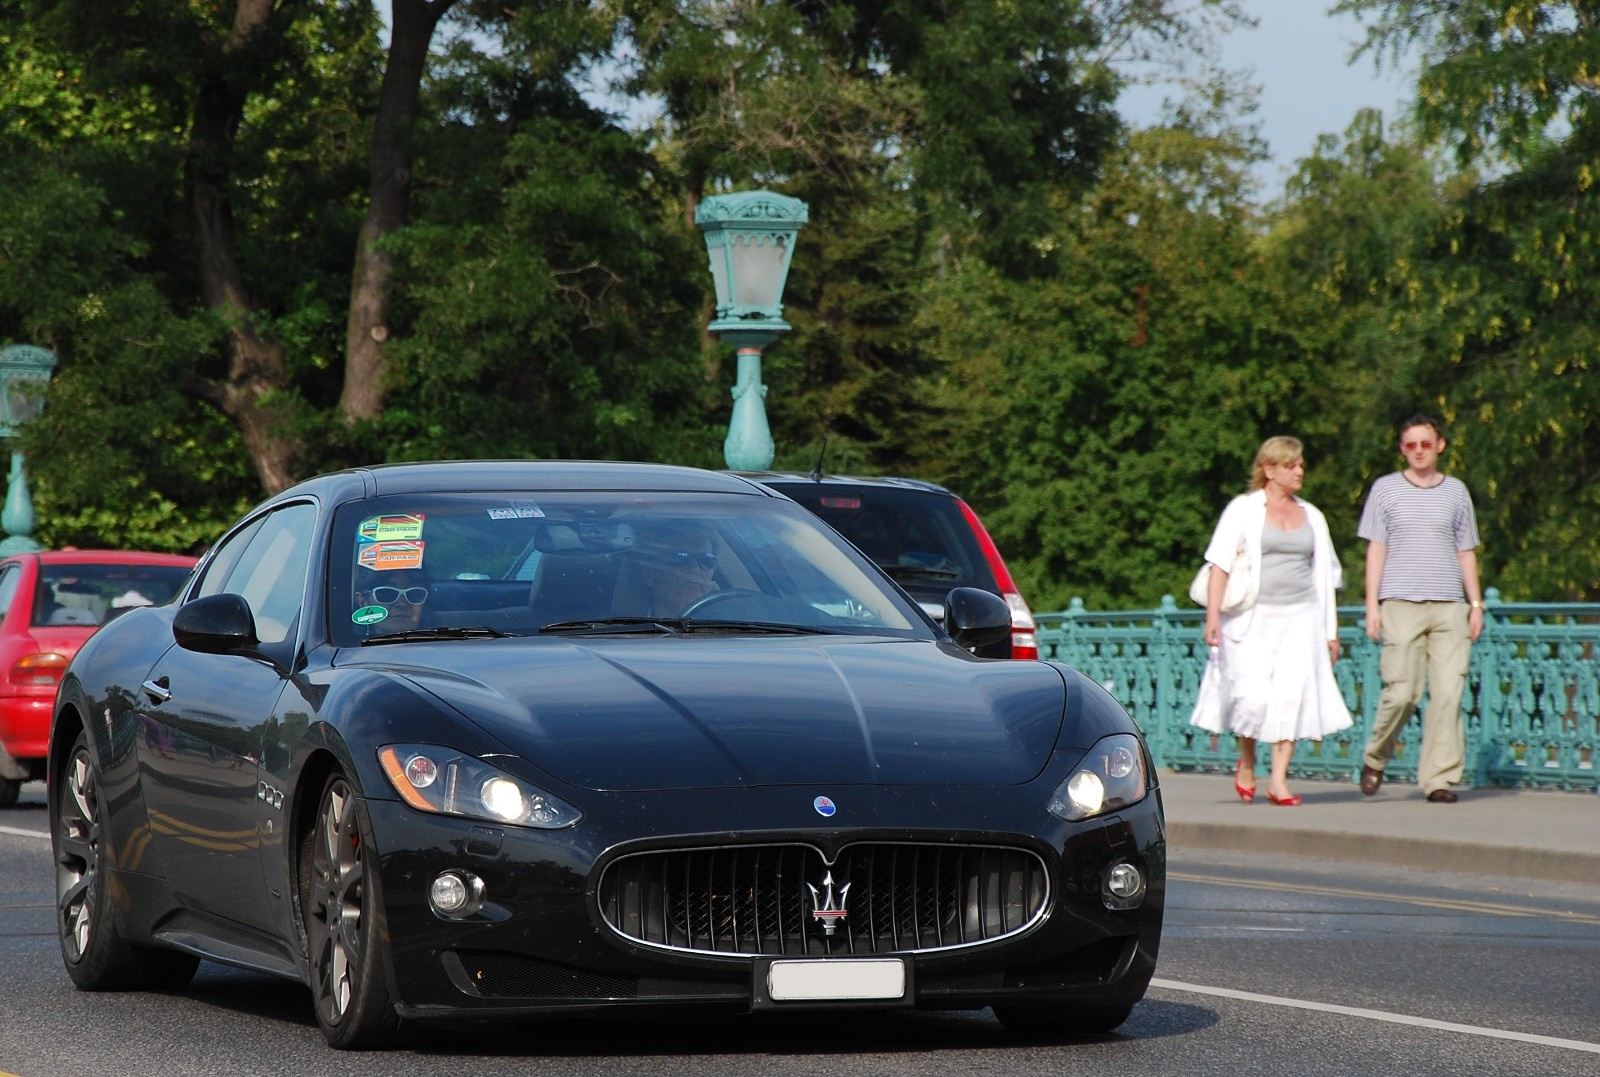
(716, 597)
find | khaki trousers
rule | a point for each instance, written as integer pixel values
(1423, 639)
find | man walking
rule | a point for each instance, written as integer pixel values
(1422, 539)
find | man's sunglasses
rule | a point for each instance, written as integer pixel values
(388, 596)
(1413, 446)
(685, 559)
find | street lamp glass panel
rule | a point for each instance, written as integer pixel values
(717, 248)
(24, 372)
(759, 264)
(24, 397)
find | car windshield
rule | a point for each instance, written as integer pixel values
(468, 566)
(86, 593)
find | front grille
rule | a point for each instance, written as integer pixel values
(765, 899)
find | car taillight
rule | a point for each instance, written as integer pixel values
(1024, 638)
(39, 669)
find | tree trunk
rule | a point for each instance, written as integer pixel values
(389, 199)
(256, 370)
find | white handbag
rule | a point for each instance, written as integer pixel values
(1241, 590)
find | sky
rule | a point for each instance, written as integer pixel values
(1298, 55)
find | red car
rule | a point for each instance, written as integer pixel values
(925, 537)
(53, 601)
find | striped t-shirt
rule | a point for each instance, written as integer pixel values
(1423, 528)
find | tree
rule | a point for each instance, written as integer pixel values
(232, 94)
(1512, 270)
(1103, 416)
(1347, 251)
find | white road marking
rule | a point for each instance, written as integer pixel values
(16, 832)
(1380, 1015)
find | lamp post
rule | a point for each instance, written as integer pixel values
(24, 370)
(749, 239)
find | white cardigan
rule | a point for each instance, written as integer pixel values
(1243, 519)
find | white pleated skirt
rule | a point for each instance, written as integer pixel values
(1276, 683)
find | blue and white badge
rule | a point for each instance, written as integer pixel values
(825, 807)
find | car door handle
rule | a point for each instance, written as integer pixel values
(157, 690)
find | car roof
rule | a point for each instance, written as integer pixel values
(445, 476)
(107, 557)
(892, 481)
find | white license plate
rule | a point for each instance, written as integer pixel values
(878, 978)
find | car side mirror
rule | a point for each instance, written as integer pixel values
(215, 624)
(975, 617)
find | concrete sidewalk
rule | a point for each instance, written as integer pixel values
(1511, 832)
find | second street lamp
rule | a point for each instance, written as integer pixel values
(24, 370)
(750, 240)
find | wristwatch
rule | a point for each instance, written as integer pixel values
(1476, 605)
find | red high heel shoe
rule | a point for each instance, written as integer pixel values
(1246, 793)
(1290, 801)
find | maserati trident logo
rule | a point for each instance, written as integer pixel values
(826, 908)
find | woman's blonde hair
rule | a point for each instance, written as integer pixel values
(1274, 452)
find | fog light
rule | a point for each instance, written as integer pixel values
(1123, 886)
(456, 894)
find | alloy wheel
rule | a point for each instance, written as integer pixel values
(338, 888)
(77, 853)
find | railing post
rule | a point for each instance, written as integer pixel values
(1164, 646)
(1490, 702)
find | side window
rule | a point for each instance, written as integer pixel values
(8, 587)
(270, 572)
(221, 562)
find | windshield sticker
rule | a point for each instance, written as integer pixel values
(369, 615)
(399, 526)
(517, 510)
(388, 556)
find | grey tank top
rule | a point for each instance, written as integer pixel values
(1286, 566)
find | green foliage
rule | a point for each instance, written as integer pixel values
(1503, 288)
(1516, 288)
(1347, 254)
(1101, 418)
(1499, 78)
(1085, 331)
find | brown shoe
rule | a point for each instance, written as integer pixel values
(1371, 778)
(1442, 796)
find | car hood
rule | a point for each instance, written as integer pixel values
(698, 713)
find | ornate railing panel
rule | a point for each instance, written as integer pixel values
(1531, 708)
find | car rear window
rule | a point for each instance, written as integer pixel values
(91, 594)
(917, 536)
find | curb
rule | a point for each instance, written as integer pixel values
(1431, 854)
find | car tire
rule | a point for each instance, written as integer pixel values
(1061, 1022)
(97, 955)
(342, 911)
(10, 790)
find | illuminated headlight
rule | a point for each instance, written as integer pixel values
(1111, 776)
(441, 780)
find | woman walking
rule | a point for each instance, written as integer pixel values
(1271, 673)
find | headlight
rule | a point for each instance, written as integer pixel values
(1111, 776)
(442, 780)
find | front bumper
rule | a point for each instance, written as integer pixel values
(540, 945)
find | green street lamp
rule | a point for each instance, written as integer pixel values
(24, 370)
(749, 239)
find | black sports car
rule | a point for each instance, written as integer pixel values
(510, 739)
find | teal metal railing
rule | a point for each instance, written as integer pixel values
(1531, 708)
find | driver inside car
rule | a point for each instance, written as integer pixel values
(675, 565)
(401, 595)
